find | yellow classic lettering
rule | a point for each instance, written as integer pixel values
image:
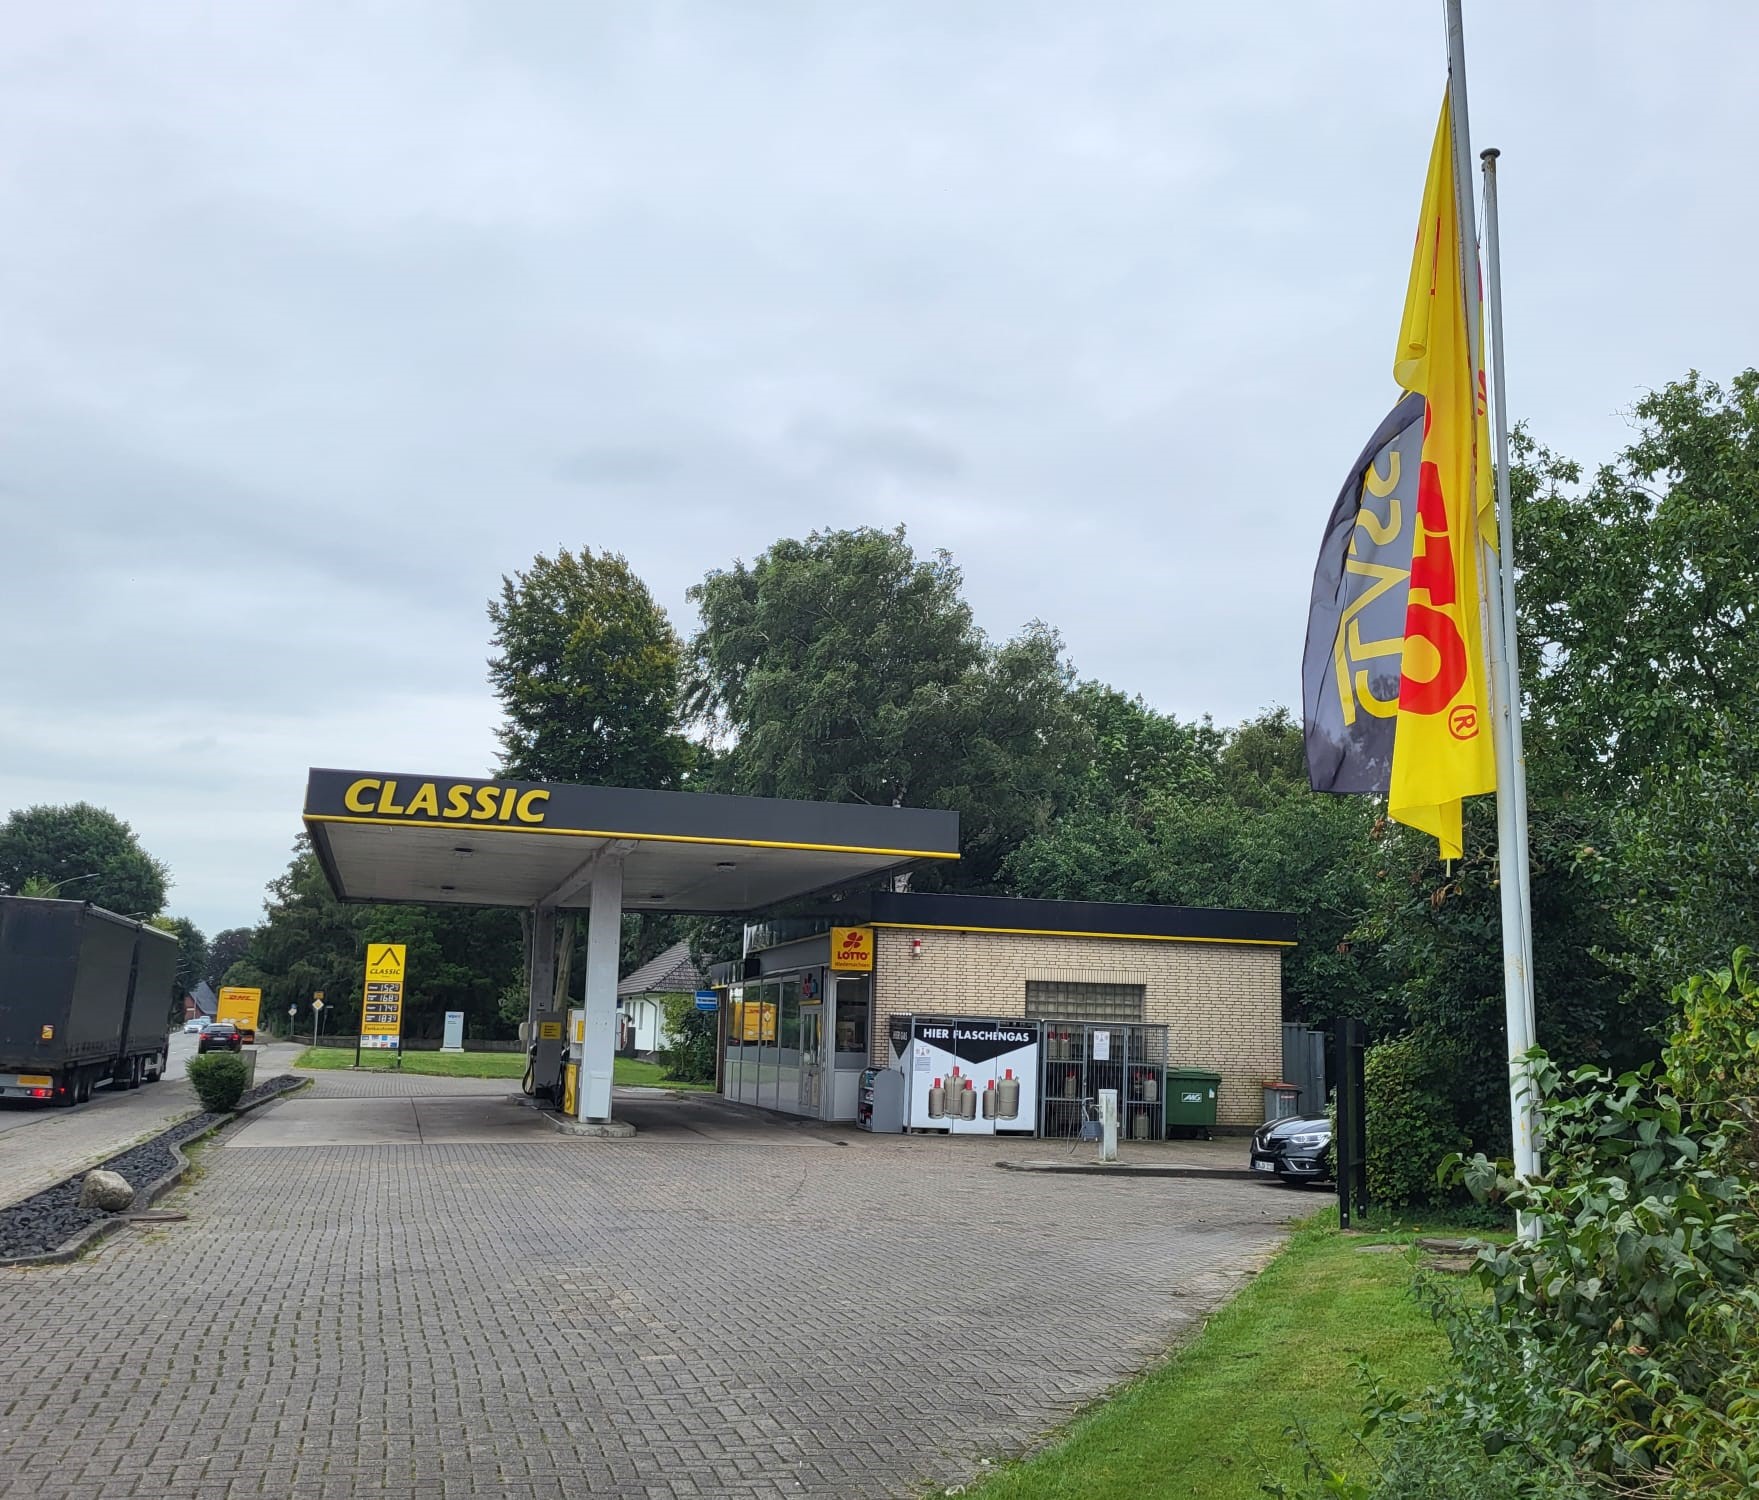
(451, 801)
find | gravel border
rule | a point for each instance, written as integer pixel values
(50, 1226)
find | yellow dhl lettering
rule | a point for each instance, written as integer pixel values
(458, 802)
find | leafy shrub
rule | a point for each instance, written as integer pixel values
(219, 1080)
(1410, 1126)
(690, 1058)
(1619, 1351)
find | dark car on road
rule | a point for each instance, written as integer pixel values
(220, 1036)
(1297, 1150)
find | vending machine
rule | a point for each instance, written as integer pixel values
(968, 1075)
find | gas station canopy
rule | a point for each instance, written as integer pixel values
(383, 836)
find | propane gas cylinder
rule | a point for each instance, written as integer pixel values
(968, 1102)
(1008, 1097)
(989, 1100)
(937, 1101)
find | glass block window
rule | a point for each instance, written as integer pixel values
(1055, 1000)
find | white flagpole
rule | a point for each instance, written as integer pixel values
(1505, 526)
(1511, 827)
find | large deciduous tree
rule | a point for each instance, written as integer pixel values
(586, 666)
(81, 853)
(1640, 631)
(227, 948)
(845, 667)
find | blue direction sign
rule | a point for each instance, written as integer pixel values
(707, 1000)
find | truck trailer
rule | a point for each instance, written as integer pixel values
(84, 1000)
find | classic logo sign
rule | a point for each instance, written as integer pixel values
(445, 801)
(852, 949)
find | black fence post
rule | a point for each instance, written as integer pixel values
(1349, 1146)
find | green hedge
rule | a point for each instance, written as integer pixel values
(1410, 1125)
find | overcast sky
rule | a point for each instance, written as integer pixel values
(316, 318)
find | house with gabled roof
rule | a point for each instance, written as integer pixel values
(642, 996)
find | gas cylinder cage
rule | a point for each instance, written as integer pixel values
(1131, 1058)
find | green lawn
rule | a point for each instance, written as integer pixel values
(1283, 1350)
(627, 1071)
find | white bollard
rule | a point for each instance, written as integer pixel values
(1108, 1124)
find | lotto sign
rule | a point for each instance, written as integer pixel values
(381, 1010)
(852, 949)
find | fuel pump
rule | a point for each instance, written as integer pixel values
(543, 1072)
(576, 1058)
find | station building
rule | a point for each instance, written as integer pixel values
(808, 1018)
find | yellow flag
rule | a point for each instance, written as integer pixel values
(1442, 748)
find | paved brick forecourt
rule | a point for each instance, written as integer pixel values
(723, 1306)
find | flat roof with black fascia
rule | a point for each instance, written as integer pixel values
(477, 841)
(1115, 919)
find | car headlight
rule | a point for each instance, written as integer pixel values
(1313, 1138)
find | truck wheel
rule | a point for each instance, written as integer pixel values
(134, 1072)
(80, 1090)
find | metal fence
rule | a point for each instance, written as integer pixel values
(1079, 1058)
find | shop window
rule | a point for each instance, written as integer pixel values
(1059, 1000)
(852, 1011)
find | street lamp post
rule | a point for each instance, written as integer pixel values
(71, 879)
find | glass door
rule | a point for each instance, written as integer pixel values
(812, 1058)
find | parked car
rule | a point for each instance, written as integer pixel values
(220, 1036)
(1297, 1150)
(193, 1027)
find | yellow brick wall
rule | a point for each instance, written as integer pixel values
(1221, 1002)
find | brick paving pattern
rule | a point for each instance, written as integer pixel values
(721, 1307)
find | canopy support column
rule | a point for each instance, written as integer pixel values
(604, 934)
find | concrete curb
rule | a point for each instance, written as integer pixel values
(1130, 1169)
(607, 1130)
(144, 1198)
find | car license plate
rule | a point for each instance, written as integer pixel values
(35, 1080)
(1264, 1166)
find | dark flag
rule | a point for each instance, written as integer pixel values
(1351, 670)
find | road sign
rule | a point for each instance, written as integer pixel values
(707, 1000)
(381, 1007)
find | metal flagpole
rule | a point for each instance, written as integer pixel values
(1505, 525)
(1511, 828)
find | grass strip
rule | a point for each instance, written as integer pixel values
(1215, 1416)
(627, 1071)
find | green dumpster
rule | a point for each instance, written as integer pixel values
(1191, 1101)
